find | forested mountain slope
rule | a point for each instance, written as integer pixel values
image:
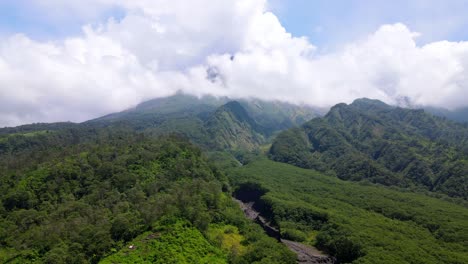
(134, 187)
(210, 122)
(274, 115)
(83, 194)
(231, 127)
(369, 140)
(219, 123)
(75, 193)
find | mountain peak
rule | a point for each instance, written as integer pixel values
(238, 111)
(361, 104)
(368, 104)
(368, 101)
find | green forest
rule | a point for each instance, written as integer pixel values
(357, 222)
(371, 141)
(366, 183)
(78, 203)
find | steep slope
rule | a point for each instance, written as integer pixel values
(275, 116)
(369, 140)
(205, 121)
(231, 127)
(80, 201)
(182, 104)
(218, 123)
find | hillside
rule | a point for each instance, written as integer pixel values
(85, 195)
(219, 123)
(231, 127)
(136, 186)
(81, 193)
(358, 223)
(209, 122)
(369, 140)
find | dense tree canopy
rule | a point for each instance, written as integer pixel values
(369, 140)
(76, 201)
(125, 189)
(356, 222)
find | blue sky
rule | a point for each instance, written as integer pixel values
(41, 23)
(327, 23)
(333, 22)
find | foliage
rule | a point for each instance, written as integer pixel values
(228, 238)
(77, 195)
(177, 242)
(358, 222)
(371, 141)
(231, 127)
(213, 123)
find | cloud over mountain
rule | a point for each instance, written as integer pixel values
(228, 47)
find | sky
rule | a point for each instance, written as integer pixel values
(80, 59)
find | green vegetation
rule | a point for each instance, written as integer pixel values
(371, 141)
(124, 189)
(81, 194)
(231, 127)
(212, 123)
(356, 222)
(227, 237)
(177, 242)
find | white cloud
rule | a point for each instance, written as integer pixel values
(163, 46)
(387, 65)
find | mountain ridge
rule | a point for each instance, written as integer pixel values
(123, 190)
(369, 140)
(247, 123)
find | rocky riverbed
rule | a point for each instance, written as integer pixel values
(305, 254)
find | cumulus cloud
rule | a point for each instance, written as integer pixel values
(230, 47)
(387, 65)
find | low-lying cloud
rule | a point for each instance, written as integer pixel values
(226, 48)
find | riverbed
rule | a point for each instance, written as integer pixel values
(305, 254)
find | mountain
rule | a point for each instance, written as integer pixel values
(179, 104)
(211, 122)
(369, 140)
(219, 123)
(74, 193)
(272, 114)
(231, 127)
(275, 115)
(132, 187)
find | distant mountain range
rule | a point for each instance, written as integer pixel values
(131, 186)
(217, 123)
(369, 140)
(366, 140)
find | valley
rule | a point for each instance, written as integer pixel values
(305, 254)
(233, 132)
(355, 222)
(364, 183)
